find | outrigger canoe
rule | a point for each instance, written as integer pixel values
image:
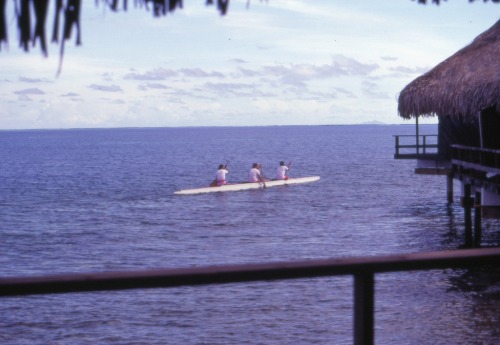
(246, 185)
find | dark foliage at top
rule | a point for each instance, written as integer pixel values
(67, 17)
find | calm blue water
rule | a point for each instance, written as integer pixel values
(98, 200)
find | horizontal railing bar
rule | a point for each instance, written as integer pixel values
(413, 135)
(476, 166)
(424, 156)
(475, 148)
(164, 278)
(420, 146)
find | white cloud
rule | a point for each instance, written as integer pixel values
(158, 86)
(32, 80)
(31, 91)
(106, 88)
(70, 94)
(199, 73)
(154, 74)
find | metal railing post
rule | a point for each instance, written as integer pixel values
(363, 308)
(363, 269)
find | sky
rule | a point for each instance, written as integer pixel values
(277, 62)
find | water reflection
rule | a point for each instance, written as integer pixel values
(453, 227)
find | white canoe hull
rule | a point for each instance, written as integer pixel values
(247, 185)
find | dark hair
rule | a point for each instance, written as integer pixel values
(282, 163)
(255, 165)
(221, 166)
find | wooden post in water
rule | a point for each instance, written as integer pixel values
(449, 187)
(477, 220)
(467, 215)
(417, 135)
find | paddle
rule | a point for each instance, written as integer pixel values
(261, 176)
(225, 166)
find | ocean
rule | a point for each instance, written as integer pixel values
(86, 200)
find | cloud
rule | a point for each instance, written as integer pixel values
(408, 70)
(234, 89)
(32, 91)
(182, 93)
(342, 65)
(110, 88)
(158, 86)
(31, 80)
(24, 98)
(258, 80)
(371, 89)
(199, 73)
(70, 94)
(245, 72)
(155, 74)
(238, 61)
(107, 76)
(298, 74)
(389, 58)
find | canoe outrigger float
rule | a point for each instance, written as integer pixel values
(247, 185)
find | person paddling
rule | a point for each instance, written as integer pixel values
(282, 170)
(255, 175)
(220, 176)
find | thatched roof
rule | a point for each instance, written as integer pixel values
(460, 86)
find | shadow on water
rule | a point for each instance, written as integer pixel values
(454, 227)
(481, 281)
(481, 286)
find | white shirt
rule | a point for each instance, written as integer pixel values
(221, 174)
(254, 175)
(281, 172)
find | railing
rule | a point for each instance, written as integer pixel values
(416, 146)
(481, 159)
(363, 269)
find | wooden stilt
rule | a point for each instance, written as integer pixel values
(467, 215)
(477, 220)
(449, 187)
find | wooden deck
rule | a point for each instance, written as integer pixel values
(416, 147)
(477, 166)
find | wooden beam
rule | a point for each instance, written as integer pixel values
(432, 171)
(477, 220)
(467, 203)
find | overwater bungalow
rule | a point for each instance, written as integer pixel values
(463, 92)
